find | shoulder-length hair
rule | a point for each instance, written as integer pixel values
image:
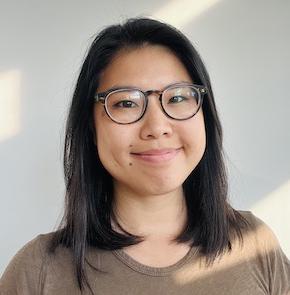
(211, 221)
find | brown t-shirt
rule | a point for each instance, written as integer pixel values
(258, 267)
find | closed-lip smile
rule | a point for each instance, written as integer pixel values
(156, 155)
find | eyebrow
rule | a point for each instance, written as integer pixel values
(116, 86)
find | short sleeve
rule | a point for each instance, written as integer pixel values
(281, 274)
(274, 265)
(279, 271)
(23, 274)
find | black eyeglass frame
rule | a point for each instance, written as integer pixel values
(102, 98)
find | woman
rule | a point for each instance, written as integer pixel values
(146, 200)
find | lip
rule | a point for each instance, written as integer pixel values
(157, 155)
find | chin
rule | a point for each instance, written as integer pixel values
(162, 188)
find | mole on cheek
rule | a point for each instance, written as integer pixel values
(131, 145)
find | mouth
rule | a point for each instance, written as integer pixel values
(157, 155)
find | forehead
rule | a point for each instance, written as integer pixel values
(150, 66)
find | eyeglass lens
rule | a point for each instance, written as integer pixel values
(127, 106)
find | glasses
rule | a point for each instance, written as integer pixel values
(128, 105)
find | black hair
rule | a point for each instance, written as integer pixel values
(211, 221)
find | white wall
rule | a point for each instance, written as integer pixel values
(246, 47)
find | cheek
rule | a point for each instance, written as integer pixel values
(194, 135)
(113, 143)
(107, 148)
(102, 134)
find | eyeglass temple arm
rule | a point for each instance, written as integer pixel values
(202, 89)
(100, 97)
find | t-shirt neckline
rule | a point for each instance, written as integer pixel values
(150, 270)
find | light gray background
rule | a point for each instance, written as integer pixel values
(246, 48)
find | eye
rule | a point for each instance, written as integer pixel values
(125, 104)
(177, 99)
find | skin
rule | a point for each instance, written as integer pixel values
(148, 197)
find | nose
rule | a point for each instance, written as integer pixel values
(155, 123)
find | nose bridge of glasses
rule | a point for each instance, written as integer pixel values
(154, 104)
(157, 92)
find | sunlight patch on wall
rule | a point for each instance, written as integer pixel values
(274, 209)
(180, 12)
(9, 104)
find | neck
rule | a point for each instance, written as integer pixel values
(152, 216)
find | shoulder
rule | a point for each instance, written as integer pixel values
(35, 251)
(26, 267)
(258, 236)
(252, 219)
(258, 231)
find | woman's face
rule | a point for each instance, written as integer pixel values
(155, 154)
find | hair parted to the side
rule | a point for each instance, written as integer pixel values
(212, 222)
